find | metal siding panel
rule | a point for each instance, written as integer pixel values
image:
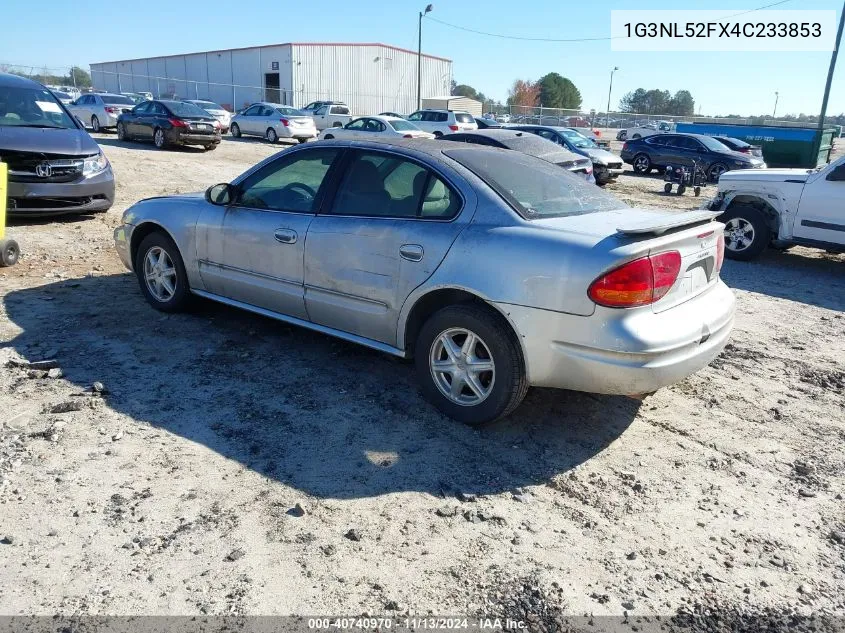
(196, 76)
(248, 77)
(219, 69)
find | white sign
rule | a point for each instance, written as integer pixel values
(48, 106)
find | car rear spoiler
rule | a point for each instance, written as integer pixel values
(660, 225)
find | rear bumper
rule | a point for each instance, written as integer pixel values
(295, 132)
(604, 173)
(186, 138)
(88, 195)
(623, 351)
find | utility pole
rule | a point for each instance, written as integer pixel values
(775, 109)
(607, 112)
(428, 9)
(830, 77)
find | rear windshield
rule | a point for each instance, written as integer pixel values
(534, 188)
(712, 144)
(464, 118)
(32, 107)
(733, 141)
(117, 100)
(209, 105)
(180, 108)
(401, 124)
(290, 111)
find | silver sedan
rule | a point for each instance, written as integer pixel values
(493, 269)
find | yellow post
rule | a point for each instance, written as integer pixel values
(3, 179)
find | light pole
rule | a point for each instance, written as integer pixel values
(775, 109)
(830, 79)
(428, 9)
(607, 112)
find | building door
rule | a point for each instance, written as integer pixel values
(271, 87)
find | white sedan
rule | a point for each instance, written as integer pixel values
(370, 127)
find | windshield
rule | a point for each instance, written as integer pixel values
(209, 105)
(534, 188)
(712, 144)
(578, 140)
(117, 100)
(32, 107)
(400, 125)
(290, 112)
(180, 108)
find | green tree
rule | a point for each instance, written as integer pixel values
(78, 77)
(682, 104)
(463, 90)
(558, 92)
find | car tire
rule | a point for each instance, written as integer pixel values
(641, 163)
(328, 137)
(159, 139)
(636, 136)
(438, 134)
(302, 140)
(502, 388)
(95, 124)
(747, 234)
(682, 189)
(271, 135)
(212, 147)
(235, 130)
(172, 298)
(10, 252)
(667, 188)
(715, 170)
(121, 132)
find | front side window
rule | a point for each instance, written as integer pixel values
(288, 184)
(142, 108)
(320, 111)
(383, 185)
(31, 107)
(357, 124)
(252, 111)
(534, 188)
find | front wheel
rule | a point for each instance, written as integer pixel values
(302, 140)
(642, 163)
(328, 137)
(667, 188)
(746, 232)
(469, 364)
(161, 273)
(235, 130)
(716, 170)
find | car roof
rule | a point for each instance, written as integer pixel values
(15, 81)
(496, 133)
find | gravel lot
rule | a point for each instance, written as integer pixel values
(222, 463)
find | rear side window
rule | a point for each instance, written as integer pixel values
(441, 117)
(464, 118)
(384, 185)
(340, 110)
(535, 188)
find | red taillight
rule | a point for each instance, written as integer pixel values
(720, 252)
(454, 128)
(624, 146)
(285, 122)
(637, 283)
(177, 123)
(112, 110)
(744, 150)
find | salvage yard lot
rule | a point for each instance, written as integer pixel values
(232, 464)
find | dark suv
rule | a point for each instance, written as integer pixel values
(54, 166)
(660, 150)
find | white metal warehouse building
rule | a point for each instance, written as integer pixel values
(370, 78)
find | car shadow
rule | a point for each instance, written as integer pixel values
(147, 146)
(282, 142)
(818, 281)
(41, 220)
(332, 419)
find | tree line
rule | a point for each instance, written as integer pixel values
(550, 91)
(642, 101)
(75, 76)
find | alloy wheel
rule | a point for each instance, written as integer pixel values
(641, 163)
(159, 138)
(160, 274)
(462, 366)
(739, 234)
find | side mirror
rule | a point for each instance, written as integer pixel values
(222, 194)
(837, 174)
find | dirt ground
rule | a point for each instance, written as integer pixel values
(222, 463)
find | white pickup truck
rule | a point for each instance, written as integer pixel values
(782, 208)
(331, 115)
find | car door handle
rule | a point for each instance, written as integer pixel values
(285, 236)
(411, 252)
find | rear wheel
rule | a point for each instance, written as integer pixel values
(716, 170)
(469, 364)
(10, 252)
(667, 187)
(235, 130)
(161, 273)
(159, 138)
(642, 163)
(212, 147)
(271, 135)
(681, 189)
(328, 137)
(438, 134)
(746, 232)
(95, 124)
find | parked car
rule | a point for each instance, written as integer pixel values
(486, 124)
(216, 110)
(530, 144)
(331, 115)
(504, 118)
(273, 121)
(440, 122)
(660, 150)
(738, 145)
(647, 128)
(606, 165)
(782, 208)
(393, 114)
(54, 166)
(100, 111)
(371, 127)
(64, 97)
(495, 270)
(168, 123)
(312, 107)
(594, 136)
(136, 97)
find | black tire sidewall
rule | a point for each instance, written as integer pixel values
(762, 232)
(121, 132)
(182, 295)
(497, 336)
(710, 171)
(235, 130)
(637, 169)
(95, 127)
(10, 252)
